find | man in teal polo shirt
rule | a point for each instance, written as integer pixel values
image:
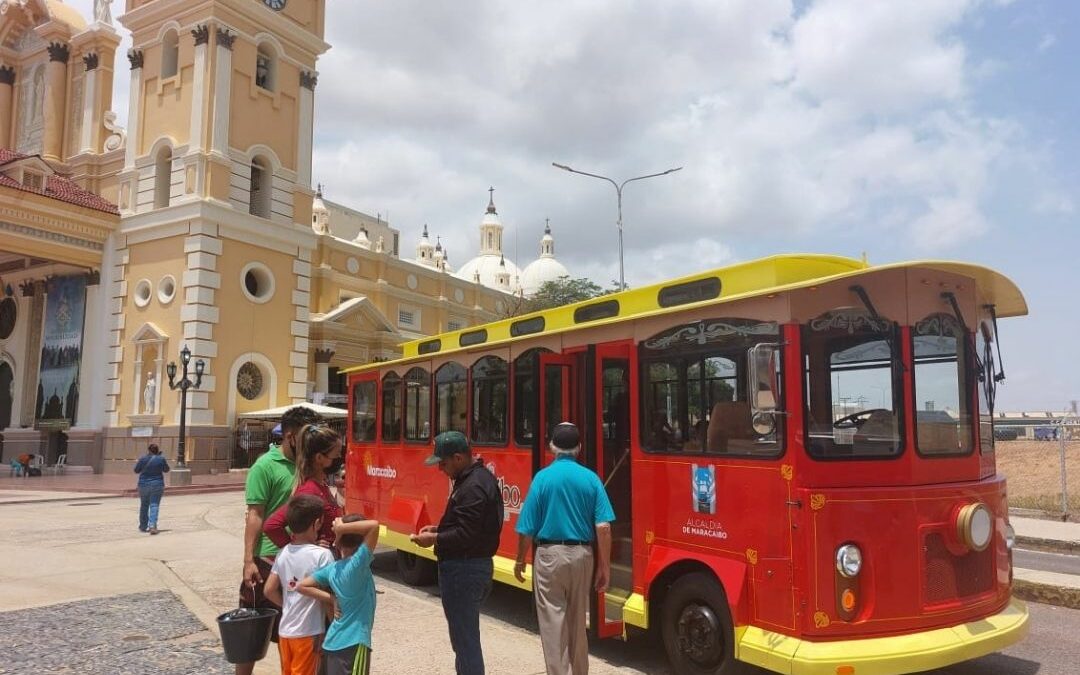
(270, 483)
(565, 512)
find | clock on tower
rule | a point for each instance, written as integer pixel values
(276, 5)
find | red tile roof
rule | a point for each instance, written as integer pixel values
(56, 186)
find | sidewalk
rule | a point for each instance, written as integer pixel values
(120, 485)
(1054, 537)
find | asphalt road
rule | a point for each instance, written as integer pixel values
(1051, 648)
(1047, 562)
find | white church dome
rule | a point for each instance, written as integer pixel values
(545, 268)
(491, 268)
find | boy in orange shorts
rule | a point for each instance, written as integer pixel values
(302, 620)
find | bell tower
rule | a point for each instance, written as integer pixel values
(215, 198)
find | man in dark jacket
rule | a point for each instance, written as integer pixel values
(465, 540)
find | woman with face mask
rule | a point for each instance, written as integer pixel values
(318, 459)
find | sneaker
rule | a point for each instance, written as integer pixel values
(153, 530)
(143, 529)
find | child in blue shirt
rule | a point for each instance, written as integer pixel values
(347, 646)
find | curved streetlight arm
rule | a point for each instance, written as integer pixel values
(651, 175)
(618, 194)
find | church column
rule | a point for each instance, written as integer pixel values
(93, 335)
(35, 290)
(323, 357)
(201, 34)
(222, 90)
(55, 99)
(134, 134)
(90, 89)
(307, 119)
(7, 97)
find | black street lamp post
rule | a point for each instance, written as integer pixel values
(183, 385)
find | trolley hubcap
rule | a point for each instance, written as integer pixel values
(699, 635)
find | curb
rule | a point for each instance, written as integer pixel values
(1048, 545)
(1059, 595)
(190, 490)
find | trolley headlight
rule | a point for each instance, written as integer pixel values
(848, 560)
(975, 526)
(1010, 536)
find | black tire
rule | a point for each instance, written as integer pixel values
(695, 623)
(414, 570)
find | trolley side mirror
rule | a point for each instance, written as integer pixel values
(764, 380)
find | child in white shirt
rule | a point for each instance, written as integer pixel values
(302, 619)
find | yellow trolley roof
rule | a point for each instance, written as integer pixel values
(764, 276)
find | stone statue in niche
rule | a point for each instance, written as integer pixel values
(149, 394)
(103, 11)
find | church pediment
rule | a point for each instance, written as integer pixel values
(149, 333)
(355, 313)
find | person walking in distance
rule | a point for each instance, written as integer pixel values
(566, 512)
(465, 540)
(151, 468)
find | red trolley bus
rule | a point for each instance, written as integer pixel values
(799, 451)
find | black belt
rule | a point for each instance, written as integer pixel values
(562, 542)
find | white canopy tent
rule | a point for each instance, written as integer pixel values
(327, 412)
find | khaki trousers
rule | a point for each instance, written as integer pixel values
(562, 582)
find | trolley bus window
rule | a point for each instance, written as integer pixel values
(490, 389)
(525, 402)
(942, 389)
(364, 403)
(417, 405)
(391, 408)
(851, 386)
(695, 389)
(451, 398)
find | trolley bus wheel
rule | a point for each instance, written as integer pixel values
(416, 571)
(696, 627)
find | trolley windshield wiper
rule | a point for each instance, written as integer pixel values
(1000, 375)
(890, 337)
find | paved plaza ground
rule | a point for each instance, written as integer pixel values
(82, 591)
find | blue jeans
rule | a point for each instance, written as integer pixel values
(149, 500)
(464, 585)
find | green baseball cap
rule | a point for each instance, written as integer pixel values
(448, 443)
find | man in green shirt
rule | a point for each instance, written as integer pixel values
(270, 483)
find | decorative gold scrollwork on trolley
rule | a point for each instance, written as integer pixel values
(751, 556)
(650, 536)
(817, 501)
(821, 620)
(787, 472)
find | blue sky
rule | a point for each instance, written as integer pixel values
(905, 130)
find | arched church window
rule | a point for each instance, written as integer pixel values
(162, 177)
(265, 65)
(170, 54)
(261, 175)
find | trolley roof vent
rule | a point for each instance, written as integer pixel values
(471, 338)
(690, 291)
(429, 347)
(596, 311)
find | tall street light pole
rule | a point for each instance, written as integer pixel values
(183, 385)
(618, 193)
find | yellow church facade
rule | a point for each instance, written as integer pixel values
(193, 227)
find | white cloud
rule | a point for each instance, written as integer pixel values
(839, 115)
(1048, 40)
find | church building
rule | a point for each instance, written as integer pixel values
(195, 227)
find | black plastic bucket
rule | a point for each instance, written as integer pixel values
(245, 633)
